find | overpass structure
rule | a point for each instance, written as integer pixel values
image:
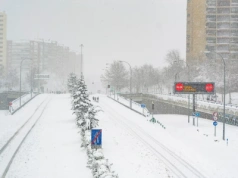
(167, 104)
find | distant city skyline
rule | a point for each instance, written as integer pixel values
(137, 31)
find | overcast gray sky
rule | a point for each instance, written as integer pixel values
(137, 31)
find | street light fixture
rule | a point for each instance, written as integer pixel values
(130, 81)
(81, 46)
(224, 95)
(20, 77)
(188, 94)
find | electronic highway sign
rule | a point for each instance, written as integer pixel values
(194, 87)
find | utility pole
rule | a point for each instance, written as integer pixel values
(38, 65)
(130, 82)
(194, 109)
(81, 58)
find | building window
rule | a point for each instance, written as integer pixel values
(223, 48)
(211, 32)
(223, 40)
(234, 2)
(234, 55)
(223, 10)
(234, 18)
(210, 48)
(211, 25)
(234, 48)
(211, 10)
(223, 3)
(211, 40)
(223, 33)
(223, 25)
(234, 25)
(223, 18)
(234, 40)
(211, 18)
(234, 32)
(211, 2)
(234, 10)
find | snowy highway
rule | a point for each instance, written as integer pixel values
(133, 124)
(42, 140)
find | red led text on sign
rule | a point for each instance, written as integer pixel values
(179, 87)
(209, 87)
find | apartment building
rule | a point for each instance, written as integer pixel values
(212, 25)
(3, 40)
(44, 56)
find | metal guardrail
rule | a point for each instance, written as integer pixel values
(139, 105)
(14, 105)
(141, 113)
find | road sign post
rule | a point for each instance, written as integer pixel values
(143, 107)
(96, 138)
(197, 114)
(215, 124)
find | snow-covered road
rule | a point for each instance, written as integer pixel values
(158, 155)
(136, 147)
(52, 148)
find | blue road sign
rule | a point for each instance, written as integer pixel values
(194, 114)
(96, 138)
(143, 105)
(197, 114)
(215, 123)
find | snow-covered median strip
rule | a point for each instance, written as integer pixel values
(86, 120)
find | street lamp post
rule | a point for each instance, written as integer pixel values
(130, 81)
(20, 79)
(175, 77)
(224, 95)
(188, 94)
(81, 58)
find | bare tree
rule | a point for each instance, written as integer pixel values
(116, 76)
(11, 79)
(173, 56)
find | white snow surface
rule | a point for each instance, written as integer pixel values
(52, 149)
(209, 155)
(136, 147)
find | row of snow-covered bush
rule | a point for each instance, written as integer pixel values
(86, 120)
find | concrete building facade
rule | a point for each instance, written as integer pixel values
(3, 40)
(212, 25)
(44, 57)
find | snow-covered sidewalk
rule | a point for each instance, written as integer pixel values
(52, 149)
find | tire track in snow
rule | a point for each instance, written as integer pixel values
(187, 169)
(6, 169)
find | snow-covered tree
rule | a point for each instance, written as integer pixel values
(72, 82)
(91, 119)
(81, 102)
